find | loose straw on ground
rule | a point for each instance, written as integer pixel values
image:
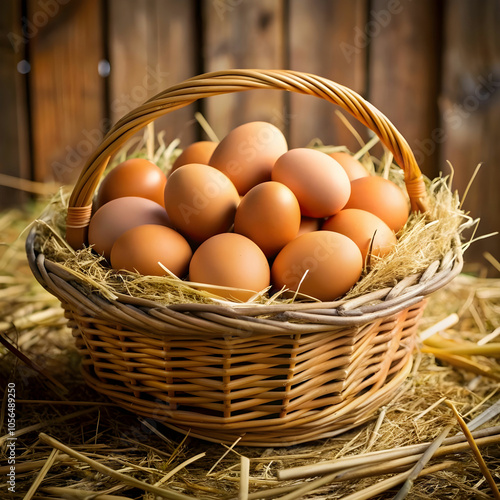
(52, 384)
(476, 452)
(230, 448)
(244, 478)
(375, 432)
(72, 493)
(445, 323)
(417, 470)
(389, 483)
(36, 427)
(130, 481)
(452, 444)
(179, 467)
(41, 475)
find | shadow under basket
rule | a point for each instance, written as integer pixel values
(272, 375)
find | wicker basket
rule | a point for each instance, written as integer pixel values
(272, 375)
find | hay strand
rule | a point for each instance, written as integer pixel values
(422, 462)
(389, 483)
(179, 467)
(41, 475)
(475, 450)
(244, 478)
(438, 327)
(76, 494)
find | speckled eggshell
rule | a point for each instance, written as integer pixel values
(319, 264)
(142, 247)
(382, 198)
(119, 215)
(201, 201)
(247, 154)
(269, 214)
(133, 177)
(362, 227)
(230, 260)
(320, 184)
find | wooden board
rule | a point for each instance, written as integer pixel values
(152, 46)
(470, 107)
(323, 41)
(239, 34)
(14, 157)
(67, 93)
(404, 72)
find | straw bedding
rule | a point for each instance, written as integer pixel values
(53, 400)
(424, 239)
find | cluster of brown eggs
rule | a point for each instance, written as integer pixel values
(247, 213)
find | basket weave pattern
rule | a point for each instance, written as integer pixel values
(271, 375)
(270, 383)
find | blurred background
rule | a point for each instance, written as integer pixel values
(71, 68)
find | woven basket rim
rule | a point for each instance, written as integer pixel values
(299, 315)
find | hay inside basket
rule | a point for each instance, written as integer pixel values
(424, 239)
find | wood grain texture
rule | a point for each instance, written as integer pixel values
(67, 93)
(470, 106)
(242, 34)
(404, 71)
(152, 45)
(14, 154)
(323, 40)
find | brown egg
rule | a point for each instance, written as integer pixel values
(142, 247)
(363, 227)
(201, 201)
(382, 198)
(309, 224)
(134, 177)
(230, 260)
(354, 168)
(269, 214)
(119, 215)
(320, 264)
(247, 154)
(197, 152)
(318, 181)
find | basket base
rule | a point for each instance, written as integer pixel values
(358, 411)
(262, 390)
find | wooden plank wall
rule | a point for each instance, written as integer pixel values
(67, 95)
(14, 137)
(431, 66)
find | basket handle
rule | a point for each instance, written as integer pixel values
(224, 82)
